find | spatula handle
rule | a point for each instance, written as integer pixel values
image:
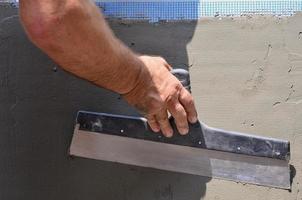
(183, 76)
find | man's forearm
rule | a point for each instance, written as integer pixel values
(75, 35)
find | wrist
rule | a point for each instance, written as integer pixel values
(130, 72)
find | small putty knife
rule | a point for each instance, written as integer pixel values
(205, 151)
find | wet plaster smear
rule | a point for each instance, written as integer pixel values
(246, 76)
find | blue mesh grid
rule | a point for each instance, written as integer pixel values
(153, 11)
(195, 9)
(156, 10)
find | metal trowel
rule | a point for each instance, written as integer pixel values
(205, 151)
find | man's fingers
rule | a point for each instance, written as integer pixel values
(162, 120)
(165, 63)
(180, 116)
(153, 123)
(169, 67)
(187, 101)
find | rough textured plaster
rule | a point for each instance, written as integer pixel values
(246, 76)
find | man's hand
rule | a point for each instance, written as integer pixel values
(159, 92)
(76, 36)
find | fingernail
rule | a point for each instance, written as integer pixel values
(169, 133)
(155, 129)
(193, 120)
(183, 131)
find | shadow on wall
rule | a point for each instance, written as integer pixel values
(38, 103)
(168, 40)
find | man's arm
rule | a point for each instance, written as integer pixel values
(75, 35)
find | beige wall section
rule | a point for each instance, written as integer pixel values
(247, 76)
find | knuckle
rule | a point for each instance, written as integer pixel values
(178, 111)
(174, 91)
(171, 101)
(173, 107)
(178, 84)
(162, 59)
(151, 120)
(156, 104)
(178, 87)
(162, 119)
(190, 101)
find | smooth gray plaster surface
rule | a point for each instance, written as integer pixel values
(38, 105)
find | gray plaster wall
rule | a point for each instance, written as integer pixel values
(38, 105)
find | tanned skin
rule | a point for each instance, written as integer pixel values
(76, 36)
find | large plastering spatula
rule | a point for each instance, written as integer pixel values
(204, 151)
